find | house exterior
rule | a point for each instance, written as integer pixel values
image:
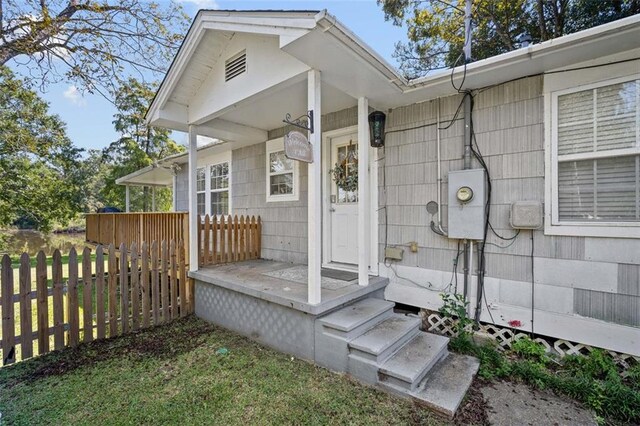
(557, 125)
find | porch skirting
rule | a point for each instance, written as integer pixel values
(284, 324)
(284, 329)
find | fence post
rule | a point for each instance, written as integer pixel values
(144, 288)
(43, 303)
(124, 288)
(87, 293)
(72, 299)
(164, 291)
(26, 329)
(58, 312)
(174, 280)
(100, 308)
(113, 302)
(182, 281)
(8, 325)
(135, 289)
(155, 288)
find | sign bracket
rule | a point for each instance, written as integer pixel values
(304, 122)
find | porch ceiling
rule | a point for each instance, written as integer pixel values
(266, 111)
(148, 176)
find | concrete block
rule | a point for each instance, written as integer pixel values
(576, 274)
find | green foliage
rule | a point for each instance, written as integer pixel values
(593, 379)
(455, 306)
(90, 44)
(138, 146)
(435, 28)
(40, 182)
(527, 348)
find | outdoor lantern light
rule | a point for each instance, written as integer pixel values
(376, 128)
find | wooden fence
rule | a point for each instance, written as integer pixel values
(129, 228)
(136, 290)
(229, 239)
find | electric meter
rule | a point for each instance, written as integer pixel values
(464, 194)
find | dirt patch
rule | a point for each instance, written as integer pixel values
(508, 402)
(473, 410)
(160, 343)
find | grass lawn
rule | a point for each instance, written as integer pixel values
(189, 372)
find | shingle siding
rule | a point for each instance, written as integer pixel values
(284, 230)
(592, 277)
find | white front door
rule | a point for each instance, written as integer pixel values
(343, 199)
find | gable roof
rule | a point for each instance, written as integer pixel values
(321, 41)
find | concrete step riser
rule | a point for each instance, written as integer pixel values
(390, 350)
(361, 329)
(403, 385)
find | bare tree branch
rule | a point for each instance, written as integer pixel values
(90, 43)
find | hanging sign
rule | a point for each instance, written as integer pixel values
(297, 147)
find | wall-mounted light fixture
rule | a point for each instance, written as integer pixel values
(376, 128)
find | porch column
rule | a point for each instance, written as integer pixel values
(193, 199)
(314, 208)
(364, 193)
(153, 198)
(174, 192)
(126, 198)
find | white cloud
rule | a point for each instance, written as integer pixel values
(74, 96)
(202, 4)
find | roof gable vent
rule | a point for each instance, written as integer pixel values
(235, 65)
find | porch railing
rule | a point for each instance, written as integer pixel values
(226, 239)
(129, 228)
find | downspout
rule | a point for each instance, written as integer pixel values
(439, 171)
(467, 165)
(467, 138)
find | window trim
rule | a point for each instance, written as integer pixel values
(553, 224)
(207, 161)
(212, 190)
(276, 145)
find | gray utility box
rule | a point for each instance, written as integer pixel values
(467, 199)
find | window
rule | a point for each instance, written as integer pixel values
(213, 185)
(282, 173)
(596, 154)
(219, 182)
(201, 189)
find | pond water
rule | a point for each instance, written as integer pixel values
(15, 242)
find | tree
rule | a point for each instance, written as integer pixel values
(39, 180)
(90, 43)
(435, 28)
(139, 145)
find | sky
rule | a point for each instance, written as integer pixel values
(89, 118)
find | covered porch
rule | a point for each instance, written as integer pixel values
(237, 81)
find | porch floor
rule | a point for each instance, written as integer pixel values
(285, 284)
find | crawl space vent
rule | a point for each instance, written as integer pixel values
(235, 66)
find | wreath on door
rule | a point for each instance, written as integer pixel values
(345, 173)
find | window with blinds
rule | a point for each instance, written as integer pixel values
(598, 154)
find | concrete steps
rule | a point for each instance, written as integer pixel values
(409, 365)
(385, 338)
(377, 346)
